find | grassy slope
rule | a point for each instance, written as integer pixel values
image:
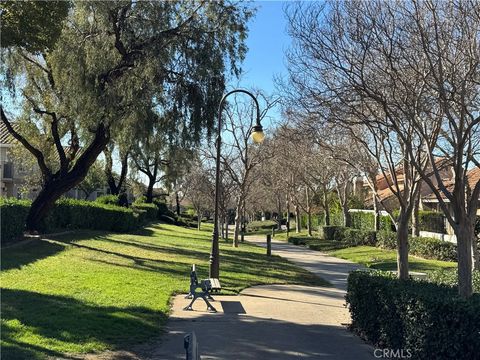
(374, 257)
(92, 291)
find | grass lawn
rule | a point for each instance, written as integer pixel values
(91, 291)
(386, 260)
(373, 257)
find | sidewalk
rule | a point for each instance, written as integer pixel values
(272, 321)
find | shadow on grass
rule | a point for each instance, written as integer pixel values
(18, 256)
(67, 320)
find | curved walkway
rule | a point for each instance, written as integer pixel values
(272, 321)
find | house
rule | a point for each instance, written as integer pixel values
(12, 175)
(388, 199)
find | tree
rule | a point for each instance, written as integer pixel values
(94, 180)
(201, 189)
(408, 75)
(32, 25)
(116, 183)
(109, 60)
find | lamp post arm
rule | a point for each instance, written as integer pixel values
(214, 270)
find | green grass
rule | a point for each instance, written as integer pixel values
(91, 291)
(386, 260)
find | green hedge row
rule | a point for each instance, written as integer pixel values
(299, 240)
(82, 214)
(13, 214)
(429, 248)
(428, 221)
(76, 214)
(430, 320)
(258, 225)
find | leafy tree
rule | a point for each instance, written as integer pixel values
(94, 180)
(111, 62)
(32, 25)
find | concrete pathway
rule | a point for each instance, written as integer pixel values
(271, 321)
(330, 268)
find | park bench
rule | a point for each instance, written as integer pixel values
(206, 286)
(190, 344)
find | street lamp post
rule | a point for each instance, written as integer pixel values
(257, 136)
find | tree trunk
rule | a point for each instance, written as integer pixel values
(279, 210)
(402, 246)
(465, 233)
(236, 230)
(376, 214)
(347, 218)
(149, 193)
(475, 254)
(415, 215)
(53, 189)
(326, 207)
(226, 227)
(309, 214)
(288, 216)
(199, 220)
(177, 202)
(298, 225)
(115, 188)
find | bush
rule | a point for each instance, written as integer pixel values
(108, 199)
(333, 232)
(354, 237)
(13, 214)
(431, 221)
(151, 210)
(387, 239)
(362, 220)
(258, 225)
(300, 240)
(81, 214)
(450, 278)
(430, 320)
(163, 210)
(431, 248)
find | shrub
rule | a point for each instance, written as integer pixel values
(431, 248)
(431, 221)
(163, 210)
(355, 237)
(450, 277)
(151, 210)
(81, 214)
(386, 239)
(13, 214)
(108, 199)
(362, 220)
(299, 240)
(430, 320)
(333, 232)
(258, 225)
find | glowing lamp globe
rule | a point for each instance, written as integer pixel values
(257, 134)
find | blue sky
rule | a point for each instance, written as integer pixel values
(266, 43)
(267, 40)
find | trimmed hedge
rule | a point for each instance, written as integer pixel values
(387, 240)
(450, 277)
(428, 319)
(431, 248)
(13, 214)
(151, 210)
(431, 221)
(355, 237)
(258, 225)
(333, 232)
(300, 240)
(82, 214)
(108, 199)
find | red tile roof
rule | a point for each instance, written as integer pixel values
(5, 136)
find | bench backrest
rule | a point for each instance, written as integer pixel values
(193, 276)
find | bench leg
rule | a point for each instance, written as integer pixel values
(209, 306)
